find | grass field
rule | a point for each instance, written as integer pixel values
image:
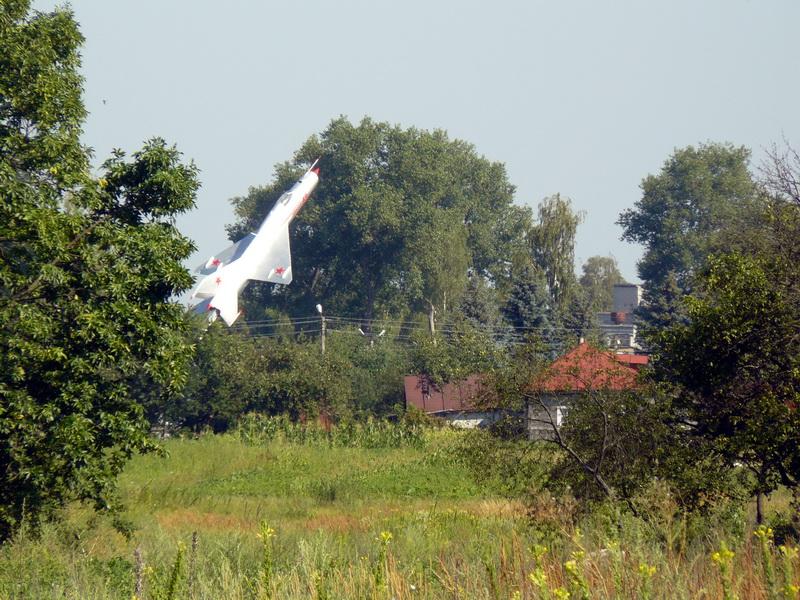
(276, 518)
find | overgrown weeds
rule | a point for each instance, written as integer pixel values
(216, 520)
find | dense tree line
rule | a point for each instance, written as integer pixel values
(411, 233)
(716, 416)
(720, 317)
(423, 263)
(410, 226)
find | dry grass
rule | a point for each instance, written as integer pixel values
(449, 538)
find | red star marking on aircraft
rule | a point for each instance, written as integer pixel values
(218, 280)
(215, 262)
(280, 270)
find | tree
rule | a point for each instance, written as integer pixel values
(577, 320)
(87, 268)
(376, 366)
(479, 305)
(440, 260)
(226, 379)
(399, 218)
(703, 201)
(529, 308)
(780, 174)
(600, 275)
(463, 351)
(617, 444)
(685, 208)
(780, 223)
(662, 307)
(552, 245)
(735, 365)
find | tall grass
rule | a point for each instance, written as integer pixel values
(224, 518)
(255, 428)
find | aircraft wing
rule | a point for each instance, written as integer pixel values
(276, 266)
(227, 256)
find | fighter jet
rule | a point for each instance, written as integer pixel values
(262, 256)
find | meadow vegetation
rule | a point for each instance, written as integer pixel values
(378, 510)
(424, 264)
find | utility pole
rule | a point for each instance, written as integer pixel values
(322, 337)
(432, 321)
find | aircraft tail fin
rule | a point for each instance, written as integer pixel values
(226, 302)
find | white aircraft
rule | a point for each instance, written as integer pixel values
(263, 256)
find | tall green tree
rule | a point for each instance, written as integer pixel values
(734, 366)
(87, 268)
(479, 305)
(662, 307)
(439, 260)
(599, 276)
(552, 245)
(529, 308)
(399, 218)
(687, 209)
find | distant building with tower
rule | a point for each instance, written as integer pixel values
(619, 325)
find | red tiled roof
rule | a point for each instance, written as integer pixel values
(635, 360)
(586, 367)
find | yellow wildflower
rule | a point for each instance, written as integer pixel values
(539, 551)
(266, 533)
(561, 593)
(723, 555)
(763, 532)
(646, 570)
(572, 567)
(538, 577)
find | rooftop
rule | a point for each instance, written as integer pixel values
(586, 367)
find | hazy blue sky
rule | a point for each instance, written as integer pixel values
(584, 98)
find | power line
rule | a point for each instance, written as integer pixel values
(400, 323)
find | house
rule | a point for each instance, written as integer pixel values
(619, 325)
(458, 402)
(582, 369)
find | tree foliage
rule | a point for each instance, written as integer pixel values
(736, 367)
(686, 209)
(618, 444)
(599, 276)
(552, 244)
(236, 371)
(463, 351)
(398, 220)
(529, 308)
(87, 267)
(733, 360)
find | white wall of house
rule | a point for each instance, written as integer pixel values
(538, 418)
